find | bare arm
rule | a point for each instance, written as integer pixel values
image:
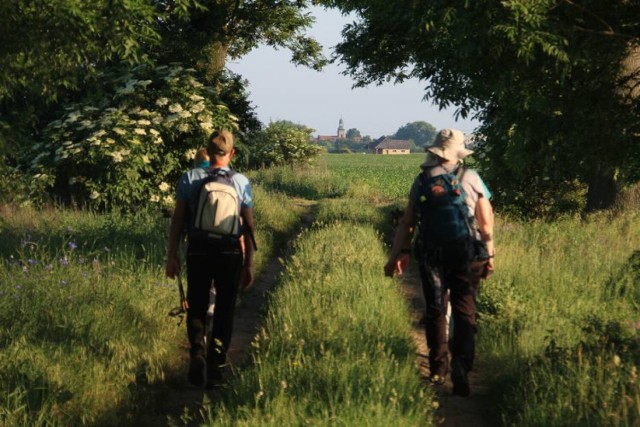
(484, 216)
(402, 238)
(248, 233)
(172, 266)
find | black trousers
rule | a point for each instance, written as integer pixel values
(460, 289)
(207, 263)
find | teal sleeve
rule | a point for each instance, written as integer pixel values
(485, 189)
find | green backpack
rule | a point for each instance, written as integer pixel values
(446, 233)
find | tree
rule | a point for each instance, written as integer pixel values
(52, 51)
(216, 30)
(546, 79)
(283, 143)
(352, 133)
(421, 133)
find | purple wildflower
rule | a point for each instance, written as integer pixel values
(64, 261)
(48, 267)
(32, 261)
(72, 245)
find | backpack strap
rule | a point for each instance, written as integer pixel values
(460, 171)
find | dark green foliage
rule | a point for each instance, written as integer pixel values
(212, 31)
(420, 132)
(547, 79)
(54, 53)
(353, 133)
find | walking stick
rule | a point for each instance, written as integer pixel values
(184, 304)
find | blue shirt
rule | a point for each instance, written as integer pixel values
(190, 181)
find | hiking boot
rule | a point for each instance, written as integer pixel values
(197, 371)
(460, 380)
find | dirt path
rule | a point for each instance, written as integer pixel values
(175, 401)
(453, 411)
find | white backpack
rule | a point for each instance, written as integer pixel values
(217, 212)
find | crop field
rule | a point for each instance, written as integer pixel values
(390, 175)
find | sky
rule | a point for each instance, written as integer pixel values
(281, 91)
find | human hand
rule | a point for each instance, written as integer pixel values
(172, 267)
(246, 277)
(488, 269)
(396, 265)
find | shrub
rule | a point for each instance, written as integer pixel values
(125, 149)
(283, 143)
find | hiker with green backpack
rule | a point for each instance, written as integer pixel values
(450, 214)
(216, 204)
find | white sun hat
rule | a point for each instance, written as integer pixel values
(449, 145)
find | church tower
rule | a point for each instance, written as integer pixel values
(341, 132)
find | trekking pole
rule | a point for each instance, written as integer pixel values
(184, 304)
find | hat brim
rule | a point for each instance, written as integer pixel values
(450, 154)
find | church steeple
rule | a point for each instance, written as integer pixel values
(341, 132)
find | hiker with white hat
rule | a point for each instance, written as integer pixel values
(450, 210)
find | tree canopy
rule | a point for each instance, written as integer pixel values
(548, 79)
(53, 52)
(353, 133)
(56, 56)
(420, 132)
(215, 30)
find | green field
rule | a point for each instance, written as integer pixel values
(390, 175)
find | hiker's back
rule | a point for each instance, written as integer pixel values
(215, 210)
(447, 231)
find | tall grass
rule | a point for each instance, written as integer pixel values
(556, 322)
(83, 310)
(335, 348)
(276, 217)
(83, 323)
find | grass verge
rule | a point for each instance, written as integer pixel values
(335, 348)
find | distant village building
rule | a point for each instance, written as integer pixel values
(341, 134)
(386, 145)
